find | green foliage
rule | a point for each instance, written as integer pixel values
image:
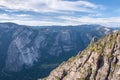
(89, 70)
(109, 55)
(72, 59)
(111, 74)
(57, 78)
(93, 48)
(80, 79)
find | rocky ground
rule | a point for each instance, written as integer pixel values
(99, 61)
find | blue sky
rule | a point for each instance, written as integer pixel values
(61, 12)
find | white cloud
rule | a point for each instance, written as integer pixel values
(49, 5)
(4, 16)
(15, 16)
(66, 20)
(111, 21)
(25, 19)
(95, 15)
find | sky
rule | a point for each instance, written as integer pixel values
(61, 12)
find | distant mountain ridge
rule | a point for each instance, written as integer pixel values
(26, 49)
(99, 61)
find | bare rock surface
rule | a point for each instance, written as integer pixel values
(99, 61)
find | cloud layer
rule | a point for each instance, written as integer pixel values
(54, 12)
(48, 5)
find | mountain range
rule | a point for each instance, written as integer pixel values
(31, 52)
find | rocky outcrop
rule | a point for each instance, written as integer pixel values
(99, 61)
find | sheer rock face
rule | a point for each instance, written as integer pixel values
(22, 46)
(99, 61)
(20, 52)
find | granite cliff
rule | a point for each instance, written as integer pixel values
(28, 50)
(99, 61)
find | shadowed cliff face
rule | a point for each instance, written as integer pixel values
(42, 48)
(99, 61)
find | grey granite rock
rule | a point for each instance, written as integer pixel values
(99, 61)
